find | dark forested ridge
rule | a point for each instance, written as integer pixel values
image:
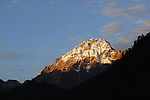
(127, 78)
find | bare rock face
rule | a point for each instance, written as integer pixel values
(86, 55)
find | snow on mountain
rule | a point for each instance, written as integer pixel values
(86, 55)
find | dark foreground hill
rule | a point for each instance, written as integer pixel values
(127, 78)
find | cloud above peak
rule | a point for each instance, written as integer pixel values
(112, 27)
(134, 11)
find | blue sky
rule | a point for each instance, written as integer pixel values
(35, 32)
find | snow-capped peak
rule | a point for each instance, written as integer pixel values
(88, 53)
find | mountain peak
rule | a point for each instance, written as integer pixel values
(86, 55)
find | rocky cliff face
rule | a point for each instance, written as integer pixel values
(86, 55)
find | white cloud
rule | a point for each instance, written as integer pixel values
(123, 40)
(9, 55)
(15, 56)
(112, 27)
(141, 30)
(126, 40)
(145, 22)
(134, 11)
(15, 1)
(143, 26)
(76, 38)
(111, 4)
(121, 43)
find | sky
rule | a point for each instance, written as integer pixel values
(33, 33)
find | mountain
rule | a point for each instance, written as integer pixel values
(79, 64)
(8, 85)
(125, 79)
(86, 55)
